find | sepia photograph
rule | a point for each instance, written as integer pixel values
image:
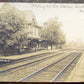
(41, 42)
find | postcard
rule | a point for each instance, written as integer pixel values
(41, 42)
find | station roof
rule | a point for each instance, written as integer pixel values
(37, 38)
(40, 39)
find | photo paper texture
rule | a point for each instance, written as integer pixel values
(41, 42)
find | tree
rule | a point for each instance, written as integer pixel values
(12, 26)
(52, 32)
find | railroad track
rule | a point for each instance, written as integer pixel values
(62, 77)
(19, 72)
(53, 71)
(34, 60)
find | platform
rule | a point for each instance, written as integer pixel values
(77, 74)
(27, 55)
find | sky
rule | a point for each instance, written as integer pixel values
(70, 15)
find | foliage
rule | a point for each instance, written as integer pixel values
(52, 31)
(12, 25)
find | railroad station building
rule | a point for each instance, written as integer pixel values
(34, 33)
